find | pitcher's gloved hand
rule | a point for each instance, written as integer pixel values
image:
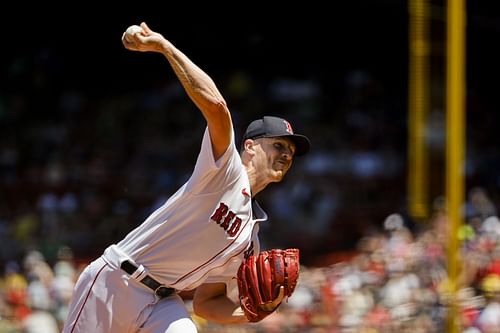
(265, 280)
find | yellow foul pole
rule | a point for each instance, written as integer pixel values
(418, 107)
(455, 166)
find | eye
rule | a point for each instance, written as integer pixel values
(278, 145)
(284, 147)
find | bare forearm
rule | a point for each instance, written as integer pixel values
(198, 85)
(205, 95)
(220, 310)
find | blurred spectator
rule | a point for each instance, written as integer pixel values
(40, 320)
(61, 288)
(489, 318)
(15, 292)
(479, 204)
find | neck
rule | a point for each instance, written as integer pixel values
(257, 182)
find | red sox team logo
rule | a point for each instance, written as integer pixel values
(288, 127)
(226, 219)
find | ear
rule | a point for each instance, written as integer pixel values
(248, 146)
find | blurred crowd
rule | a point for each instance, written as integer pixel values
(395, 281)
(82, 164)
(34, 294)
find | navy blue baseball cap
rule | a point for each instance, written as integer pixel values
(271, 127)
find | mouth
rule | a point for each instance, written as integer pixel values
(282, 165)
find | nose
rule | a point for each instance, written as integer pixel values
(288, 153)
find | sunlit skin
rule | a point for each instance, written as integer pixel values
(267, 160)
(276, 158)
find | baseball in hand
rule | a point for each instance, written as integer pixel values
(131, 31)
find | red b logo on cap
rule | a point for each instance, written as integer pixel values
(288, 127)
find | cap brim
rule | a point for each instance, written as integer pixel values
(302, 144)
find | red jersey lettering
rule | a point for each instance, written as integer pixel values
(234, 227)
(230, 215)
(220, 213)
(226, 219)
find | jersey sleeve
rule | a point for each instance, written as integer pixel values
(227, 168)
(227, 274)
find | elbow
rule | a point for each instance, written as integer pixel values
(218, 115)
(201, 309)
(218, 108)
(197, 308)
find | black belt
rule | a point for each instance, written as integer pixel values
(160, 289)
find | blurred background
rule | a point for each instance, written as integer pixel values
(94, 137)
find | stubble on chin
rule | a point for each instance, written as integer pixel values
(278, 175)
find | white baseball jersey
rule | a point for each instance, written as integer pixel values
(201, 233)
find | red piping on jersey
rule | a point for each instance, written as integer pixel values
(201, 277)
(209, 260)
(87, 297)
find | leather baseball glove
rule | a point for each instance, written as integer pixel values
(264, 280)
